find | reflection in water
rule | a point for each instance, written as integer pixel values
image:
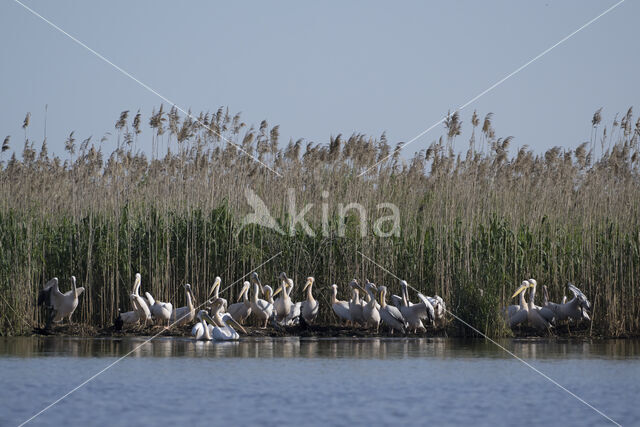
(376, 348)
(369, 381)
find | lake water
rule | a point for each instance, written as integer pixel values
(290, 381)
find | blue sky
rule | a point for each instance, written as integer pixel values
(320, 68)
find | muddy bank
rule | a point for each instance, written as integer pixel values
(582, 330)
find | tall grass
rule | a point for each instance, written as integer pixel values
(472, 225)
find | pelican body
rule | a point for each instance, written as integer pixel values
(282, 305)
(261, 309)
(310, 306)
(241, 310)
(371, 312)
(389, 314)
(59, 305)
(160, 310)
(184, 315)
(340, 308)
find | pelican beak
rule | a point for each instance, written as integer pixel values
(309, 282)
(237, 325)
(208, 318)
(520, 289)
(278, 290)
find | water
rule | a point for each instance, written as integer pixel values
(175, 381)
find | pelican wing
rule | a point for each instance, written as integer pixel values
(578, 294)
(395, 313)
(430, 311)
(397, 301)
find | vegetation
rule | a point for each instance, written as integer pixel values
(472, 226)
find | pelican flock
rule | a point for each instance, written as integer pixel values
(545, 317)
(367, 307)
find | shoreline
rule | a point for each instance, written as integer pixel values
(325, 331)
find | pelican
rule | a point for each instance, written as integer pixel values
(575, 309)
(340, 308)
(128, 317)
(223, 332)
(370, 311)
(310, 306)
(141, 304)
(355, 307)
(439, 308)
(201, 330)
(544, 311)
(242, 309)
(534, 317)
(160, 310)
(282, 305)
(63, 305)
(215, 290)
(389, 314)
(517, 314)
(184, 315)
(414, 313)
(293, 317)
(260, 308)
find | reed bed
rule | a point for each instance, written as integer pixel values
(472, 225)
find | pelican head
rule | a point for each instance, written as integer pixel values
(202, 313)
(404, 284)
(216, 285)
(525, 285)
(383, 294)
(283, 276)
(268, 291)
(310, 281)
(245, 288)
(371, 287)
(256, 281)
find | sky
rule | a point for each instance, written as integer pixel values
(320, 68)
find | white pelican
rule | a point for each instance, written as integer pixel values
(534, 317)
(516, 314)
(414, 313)
(310, 306)
(241, 310)
(282, 305)
(370, 311)
(223, 332)
(294, 315)
(215, 290)
(160, 310)
(389, 314)
(544, 311)
(355, 307)
(141, 304)
(63, 305)
(340, 308)
(129, 317)
(260, 308)
(575, 309)
(439, 308)
(201, 330)
(293, 318)
(184, 315)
